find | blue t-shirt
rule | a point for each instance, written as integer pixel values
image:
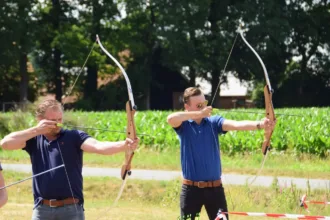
(46, 154)
(200, 152)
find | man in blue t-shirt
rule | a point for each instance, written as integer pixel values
(3, 192)
(58, 194)
(200, 153)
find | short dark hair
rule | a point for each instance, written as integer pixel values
(189, 92)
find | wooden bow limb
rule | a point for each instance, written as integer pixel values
(130, 111)
(269, 108)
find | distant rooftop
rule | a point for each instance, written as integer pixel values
(233, 88)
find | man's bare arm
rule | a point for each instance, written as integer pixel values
(92, 145)
(231, 125)
(175, 119)
(17, 140)
(3, 193)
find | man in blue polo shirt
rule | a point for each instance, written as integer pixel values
(3, 192)
(59, 194)
(200, 153)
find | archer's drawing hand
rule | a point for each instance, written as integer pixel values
(46, 126)
(206, 112)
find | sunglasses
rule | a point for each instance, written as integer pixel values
(202, 104)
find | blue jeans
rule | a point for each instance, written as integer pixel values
(67, 212)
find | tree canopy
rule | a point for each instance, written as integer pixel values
(44, 45)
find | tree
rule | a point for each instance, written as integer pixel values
(308, 44)
(17, 35)
(98, 18)
(54, 20)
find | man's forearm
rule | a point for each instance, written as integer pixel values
(108, 148)
(230, 125)
(17, 140)
(251, 125)
(179, 117)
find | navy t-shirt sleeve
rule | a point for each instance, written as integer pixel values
(218, 120)
(82, 137)
(30, 144)
(179, 129)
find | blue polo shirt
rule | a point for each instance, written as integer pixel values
(200, 151)
(45, 155)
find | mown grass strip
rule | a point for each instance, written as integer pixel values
(160, 200)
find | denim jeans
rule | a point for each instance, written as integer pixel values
(193, 198)
(67, 212)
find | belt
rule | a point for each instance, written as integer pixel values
(202, 184)
(59, 203)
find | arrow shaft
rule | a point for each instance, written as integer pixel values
(47, 171)
(249, 112)
(102, 129)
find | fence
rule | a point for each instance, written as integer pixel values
(13, 106)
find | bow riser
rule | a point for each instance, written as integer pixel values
(270, 114)
(130, 133)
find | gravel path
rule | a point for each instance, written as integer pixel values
(233, 179)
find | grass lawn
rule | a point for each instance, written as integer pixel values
(160, 199)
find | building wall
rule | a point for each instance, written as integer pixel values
(228, 102)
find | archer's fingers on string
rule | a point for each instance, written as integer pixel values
(50, 126)
(49, 122)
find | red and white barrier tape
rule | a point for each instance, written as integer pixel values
(222, 215)
(303, 202)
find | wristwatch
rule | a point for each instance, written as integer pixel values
(258, 126)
